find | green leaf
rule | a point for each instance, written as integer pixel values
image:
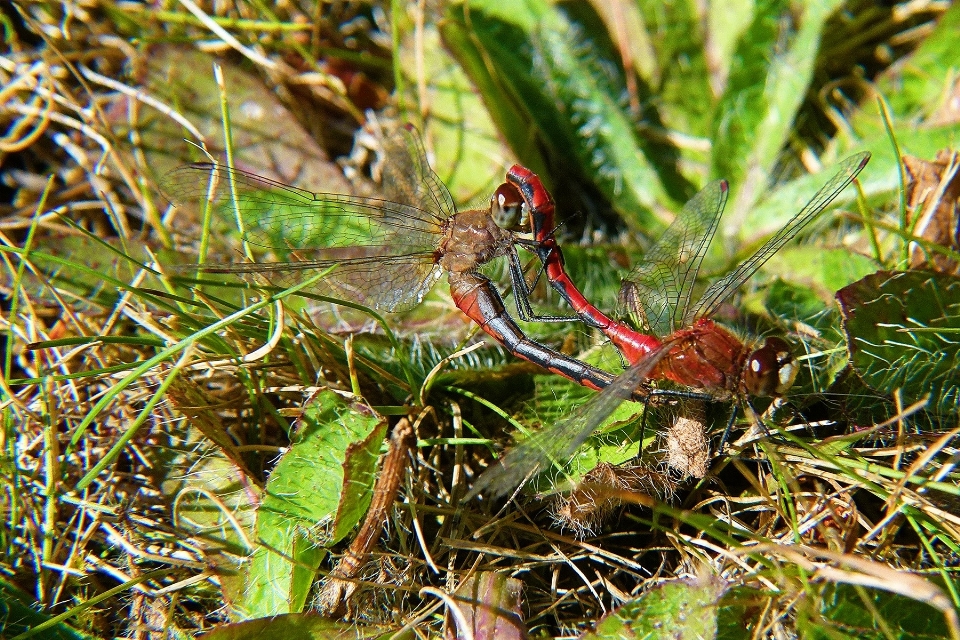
(464, 146)
(826, 270)
(535, 66)
(687, 609)
(682, 82)
(615, 442)
(782, 203)
(460, 37)
(18, 614)
(880, 177)
(316, 494)
(771, 70)
(268, 139)
(835, 611)
(793, 303)
(869, 614)
(216, 503)
(902, 333)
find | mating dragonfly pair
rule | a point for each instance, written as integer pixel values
(387, 253)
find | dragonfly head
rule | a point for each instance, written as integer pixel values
(506, 206)
(771, 369)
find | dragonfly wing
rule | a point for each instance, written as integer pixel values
(657, 291)
(383, 249)
(722, 288)
(408, 178)
(274, 215)
(383, 282)
(558, 443)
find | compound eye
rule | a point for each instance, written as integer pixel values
(506, 206)
(770, 369)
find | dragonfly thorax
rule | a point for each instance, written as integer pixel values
(770, 370)
(470, 239)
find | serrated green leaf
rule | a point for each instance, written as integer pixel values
(687, 609)
(902, 333)
(682, 82)
(316, 494)
(18, 614)
(535, 65)
(772, 67)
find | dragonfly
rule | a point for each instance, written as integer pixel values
(679, 342)
(657, 293)
(385, 253)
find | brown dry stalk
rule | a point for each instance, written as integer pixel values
(339, 585)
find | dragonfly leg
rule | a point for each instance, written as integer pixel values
(727, 429)
(476, 296)
(643, 420)
(522, 292)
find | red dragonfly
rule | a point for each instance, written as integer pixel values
(684, 345)
(657, 292)
(386, 253)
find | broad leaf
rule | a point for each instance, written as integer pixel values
(902, 333)
(535, 65)
(771, 69)
(686, 609)
(317, 493)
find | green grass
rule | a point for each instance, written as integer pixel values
(180, 456)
